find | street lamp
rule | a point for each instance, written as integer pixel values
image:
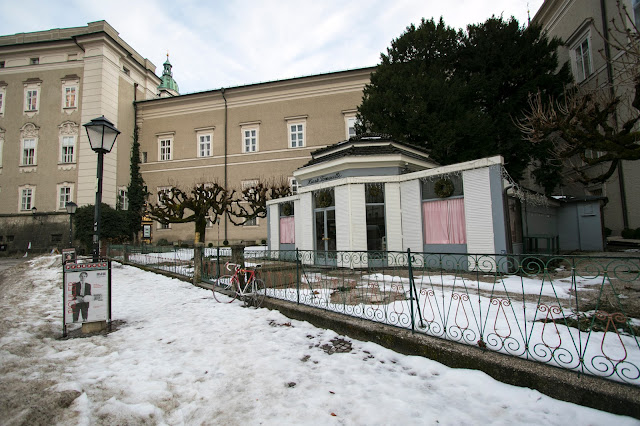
(71, 209)
(102, 136)
(34, 211)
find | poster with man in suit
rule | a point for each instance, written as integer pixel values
(86, 293)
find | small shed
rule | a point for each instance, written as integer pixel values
(372, 193)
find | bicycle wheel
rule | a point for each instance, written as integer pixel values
(259, 292)
(224, 290)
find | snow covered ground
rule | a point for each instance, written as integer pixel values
(178, 357)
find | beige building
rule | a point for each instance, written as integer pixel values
(239, 135)
(51, 83)
(583, 25)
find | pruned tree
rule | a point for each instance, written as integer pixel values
(591, 128)
(206, 201)
(251, 202)
(579, 130)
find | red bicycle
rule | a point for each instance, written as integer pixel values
(228, 287)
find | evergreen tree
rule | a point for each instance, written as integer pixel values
(457, 93)
(136, 190)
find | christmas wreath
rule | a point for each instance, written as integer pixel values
(375, 191)
(324, 199)
(287, 209)
(443, 188)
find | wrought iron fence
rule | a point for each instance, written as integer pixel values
(174, 259)
(581, 313)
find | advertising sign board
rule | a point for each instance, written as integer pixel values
(86, 292)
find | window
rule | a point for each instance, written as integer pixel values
(31, 96)
(28, 152)
(144, 157)
(3, 94)
(293, 184)
(296, 135)
(68, 146)
(27, 195)
(164, 146)
(29, 144)
(31, 101)
(287, 224)
(70, 100)
(636, 12)
(1, 146)
(583, 60)
(350, 123)
(443, 220)
(34, 61)
(204, 145)
(250, 140)
(123, 199)
(376, 227)
(1, 64)
(64, 196)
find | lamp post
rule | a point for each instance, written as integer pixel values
(71, 209)
(102, 136)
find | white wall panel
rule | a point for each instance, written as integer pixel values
(274, 227)
(411, 215)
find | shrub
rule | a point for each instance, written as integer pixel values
(628, 233)
(210, 245)
(163, 242)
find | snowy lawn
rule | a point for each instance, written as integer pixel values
(178, 357)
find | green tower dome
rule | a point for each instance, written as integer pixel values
(168, 83)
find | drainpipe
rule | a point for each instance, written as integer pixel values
(507, 216)
(226, 238)
(607, 54)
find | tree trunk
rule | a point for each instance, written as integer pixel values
(201, 227)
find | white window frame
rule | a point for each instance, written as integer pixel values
(60, 187)
(297, 133)
(201, 141)
(23, 148)
(1, 146)
(165, 148)
(3, 99)
(580, 44)
(70, 84)
(123, 198)
(32, 97)
(22, 193)
(349, 118)
(253, 139)
(294, 185)
(67, 141)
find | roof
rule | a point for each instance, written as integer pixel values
(367, 145)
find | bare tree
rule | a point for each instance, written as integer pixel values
(251, 202)
(580, 131)
(206, 201)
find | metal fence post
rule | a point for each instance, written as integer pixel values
(413, 321)
(298, 275)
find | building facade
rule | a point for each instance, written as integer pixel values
(52, 82)
(240, 135)
(583, 25)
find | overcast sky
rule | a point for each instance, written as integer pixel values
(215, 44)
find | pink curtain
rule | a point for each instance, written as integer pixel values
(287, 230)
(444, 222)
(457, 227)
(435, 225)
